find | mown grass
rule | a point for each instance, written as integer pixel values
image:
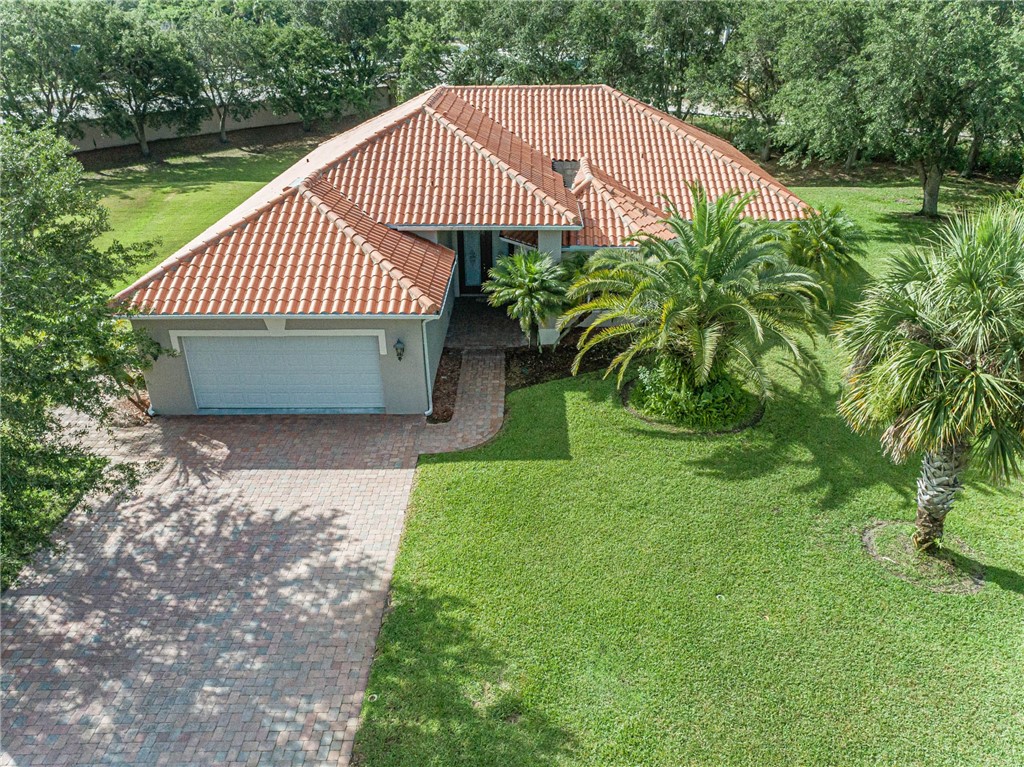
(591, 590)
(172, 201)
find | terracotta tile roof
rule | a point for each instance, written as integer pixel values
(644, 149)
(307, 251)
(450, 165)
(611, 213)
(317, 238)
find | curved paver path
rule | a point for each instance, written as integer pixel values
(226, 613)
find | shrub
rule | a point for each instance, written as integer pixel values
(721, 405)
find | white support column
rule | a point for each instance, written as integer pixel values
(550, 242)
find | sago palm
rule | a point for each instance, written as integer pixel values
(936, 359)
(828, 241)
(532, 286)
(711, 301)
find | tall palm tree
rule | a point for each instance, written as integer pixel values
(936, 352)
(711, 301)
(533, 288)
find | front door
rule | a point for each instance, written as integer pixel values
(476, 257)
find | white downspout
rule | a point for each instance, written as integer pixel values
(426, 367)
(426, 351)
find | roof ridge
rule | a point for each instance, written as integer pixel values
(585, 171)
(607, 179)
(594, 179)
(538, 86)
(384, 129)
(699, 137)
(175, 260)
(379, 259)
(495, 159)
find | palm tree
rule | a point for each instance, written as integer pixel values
(936, 352)
(533, 287)
(708, 304)
(828, 241)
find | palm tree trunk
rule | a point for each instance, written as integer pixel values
(937, 487)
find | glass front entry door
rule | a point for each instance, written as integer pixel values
(476, 257)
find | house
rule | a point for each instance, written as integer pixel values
(331, 289)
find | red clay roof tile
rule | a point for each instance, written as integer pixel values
(308, 251)
(316, 240)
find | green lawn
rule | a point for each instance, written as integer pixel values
(173, 201)
(590, 590)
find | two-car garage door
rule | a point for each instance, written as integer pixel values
(285, 373)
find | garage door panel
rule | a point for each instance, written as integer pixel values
(293, 372)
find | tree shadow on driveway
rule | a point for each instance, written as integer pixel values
(229, 609)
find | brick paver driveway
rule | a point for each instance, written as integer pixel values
(227, 614)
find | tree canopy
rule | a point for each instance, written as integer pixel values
(937, 85)
(61, 345)
(936, 358)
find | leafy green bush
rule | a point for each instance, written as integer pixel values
(828, 242)
(721, 405)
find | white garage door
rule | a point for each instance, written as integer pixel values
(293, 373)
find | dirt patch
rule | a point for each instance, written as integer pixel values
(525, 366)
(446, 386)
(949, 570)
(127, 414)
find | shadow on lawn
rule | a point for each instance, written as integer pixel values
(193, 174)
(801, 428)
(1007, 580)
(439, 695)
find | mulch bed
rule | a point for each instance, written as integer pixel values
(446, 386)
(525, 366)
(127, 414)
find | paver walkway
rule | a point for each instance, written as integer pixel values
(227, 613)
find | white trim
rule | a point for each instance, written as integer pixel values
(177, 335)
(427, 378)
(478, 227)
(426, 368)
(148, 317)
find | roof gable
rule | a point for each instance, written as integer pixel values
(611, 212)
(307, 251)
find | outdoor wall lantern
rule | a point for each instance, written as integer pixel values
(399, 349)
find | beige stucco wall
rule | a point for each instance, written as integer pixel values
(550, 241)
(405, 390)
(437, 329)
